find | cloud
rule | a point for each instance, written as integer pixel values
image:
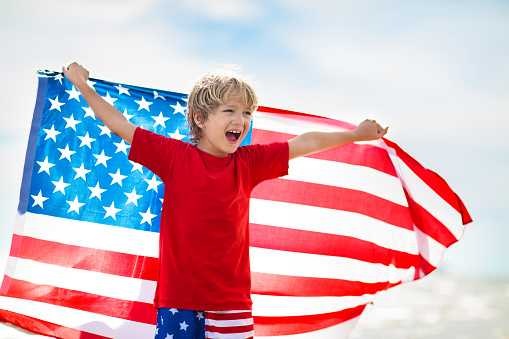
(236, 10)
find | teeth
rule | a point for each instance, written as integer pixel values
(237, 132)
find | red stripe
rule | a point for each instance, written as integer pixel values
(229, 329)
(272, 326)
(42, 327)
(338, 198)
(84, 258)
(123, 309)
(354, 154)
(434, 181)
(425, 267)
(292, 240)
(306, 118)
(282, 285)
(430, 225)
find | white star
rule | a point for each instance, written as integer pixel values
(55, 104)
(90, 83)
(66, 153)
(147, 217)
(160, 120)
(153, 183)
(127, 116)
(121, 147)
(111, 211)
(199, 315)
(86, 140)
(75, 205)
(143, 104)
(179, 109)
(89, 112)
(158, 96)
(177, 135)
(104, 130)
(101, 159)
(169, 336)
(174, 310)
(51, 133)
(59, 77)
(39, 199)
(109, 99)
(117, 177)
(96, 191)
(136, 167)
(81, 172)
(122, 90)
(183, 326)
(45, 165)
(60, 185)
(71, 122)
(133, 197)
(73, 94)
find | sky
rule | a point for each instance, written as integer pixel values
(436, 72)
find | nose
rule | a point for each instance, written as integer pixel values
(238, 119)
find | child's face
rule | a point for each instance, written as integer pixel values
(225, 128)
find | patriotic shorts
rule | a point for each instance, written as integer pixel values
(175, 323)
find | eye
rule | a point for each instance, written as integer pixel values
(248, 113)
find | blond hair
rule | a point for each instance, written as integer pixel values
(213, 90)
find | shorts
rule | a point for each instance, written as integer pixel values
(175, 323)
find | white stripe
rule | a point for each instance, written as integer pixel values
(338, 174)
(88, 234)
(325, 220)
(323, 266)
(339, 331)
(86, 321)
(422, 194)
(287, 125)
(81, 280)
(282, 306)
(429, 248)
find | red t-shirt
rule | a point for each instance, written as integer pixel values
(204, 231)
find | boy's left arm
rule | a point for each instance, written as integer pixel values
(313, 142)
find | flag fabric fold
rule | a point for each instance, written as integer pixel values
(344, 225)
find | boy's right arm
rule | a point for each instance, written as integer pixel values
(107, 113)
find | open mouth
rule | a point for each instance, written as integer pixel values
(232, 136)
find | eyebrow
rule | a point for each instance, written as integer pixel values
(236, 106)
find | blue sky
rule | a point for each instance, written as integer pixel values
(436, 72)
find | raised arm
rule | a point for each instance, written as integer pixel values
(312, 142)
(107, 113)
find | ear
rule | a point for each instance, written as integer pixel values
(197, 120)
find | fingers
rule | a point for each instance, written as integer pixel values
(376, 130)
(75, 73)
(71, 65)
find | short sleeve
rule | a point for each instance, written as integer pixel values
(266, 162)
(155, 152)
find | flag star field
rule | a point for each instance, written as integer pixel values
(89, 177)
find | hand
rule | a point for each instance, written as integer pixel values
(76, 73)
(370, 130)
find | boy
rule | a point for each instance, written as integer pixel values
(204, 271)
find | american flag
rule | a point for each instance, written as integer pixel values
(344, 225)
